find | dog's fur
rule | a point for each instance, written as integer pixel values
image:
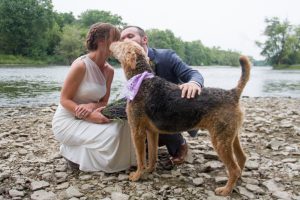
(159, 108)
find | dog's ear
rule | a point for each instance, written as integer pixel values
(130, 60)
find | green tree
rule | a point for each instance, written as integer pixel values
(276, 46)
(72, 43)
(24, 26)
(63, 19)
(166, 39)
(196, 53)
(90, 17)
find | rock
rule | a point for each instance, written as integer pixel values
(16, 193)
(148, 196)
(119, 196)
(112, 189)
(282, 195)
(252, 164)
(212, 165)
(62, 186)
(4, 175)
(212, 155)
(254, 188)
(73, 192)
(43, 195)
(198, 181)
(87, 187)
(85, 177)
(271, 185)
(221, 180)
(245, 192)
(36, 185)
(122, 177)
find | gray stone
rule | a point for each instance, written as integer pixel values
(252, 164)
(198, 181)
(221, 179)
(4, 175)
(123, 177)
(271, 185)
(148, 196)
(213, 165)
(245, 192)
(36, 185)
(282, 195)
(211, 155)
(16, 193)
(43, 195)
(62, 186)
(119, 196)
(254, 188)
(73, 192)
(111, 189)
(85, 177)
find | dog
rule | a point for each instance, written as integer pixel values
(159, 108)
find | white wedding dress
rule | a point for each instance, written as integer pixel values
(95, 147)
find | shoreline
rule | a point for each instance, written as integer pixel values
(31, 167)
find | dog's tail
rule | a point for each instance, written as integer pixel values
(245, 64)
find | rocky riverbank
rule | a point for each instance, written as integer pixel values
(31, 168)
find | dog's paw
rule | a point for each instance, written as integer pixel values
(150, 169)
(134, 176)
(223, 191)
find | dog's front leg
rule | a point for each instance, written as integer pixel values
(152, 139)
(139, 139)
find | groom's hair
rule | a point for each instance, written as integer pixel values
(141, 31)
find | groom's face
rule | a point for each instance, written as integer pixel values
(132, 34)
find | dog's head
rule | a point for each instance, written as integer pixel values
(127, 52)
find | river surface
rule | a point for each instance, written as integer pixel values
(41, 85)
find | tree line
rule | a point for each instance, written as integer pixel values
(32, 29)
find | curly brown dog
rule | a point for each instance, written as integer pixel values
(159, 108)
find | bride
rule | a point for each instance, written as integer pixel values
(90, 141)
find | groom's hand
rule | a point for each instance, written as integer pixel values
(189, 90)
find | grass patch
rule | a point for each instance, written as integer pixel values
(22, 60)
(296, 66)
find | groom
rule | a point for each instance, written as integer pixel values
(169, 66)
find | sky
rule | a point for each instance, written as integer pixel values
(228, 24)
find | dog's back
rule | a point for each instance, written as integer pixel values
(170, 112)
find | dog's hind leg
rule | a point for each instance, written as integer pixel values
(138, 135)
(239, 153)
(223, 143)
(152, 140)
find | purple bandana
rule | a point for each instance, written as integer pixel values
(132, 86)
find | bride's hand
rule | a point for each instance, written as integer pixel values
(97, 117)
(83, 110)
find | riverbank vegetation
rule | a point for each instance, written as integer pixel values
(282, 45)
(32, 32)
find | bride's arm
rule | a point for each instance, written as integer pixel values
(70, 87)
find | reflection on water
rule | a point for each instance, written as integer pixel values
(41, 85)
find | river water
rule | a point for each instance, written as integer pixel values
(32, 85)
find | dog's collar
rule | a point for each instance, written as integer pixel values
(132, 86)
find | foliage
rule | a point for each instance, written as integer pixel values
(282, 46)
(194, 52)
(63, 19)
(90, 17)
(24, 26)
(72, 43)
